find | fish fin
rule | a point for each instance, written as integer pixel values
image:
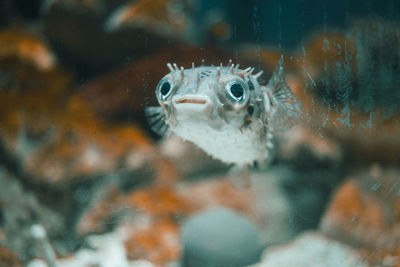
(156, 119)
(284, 108)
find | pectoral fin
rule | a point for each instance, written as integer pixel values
(283, 107)
(156, 120)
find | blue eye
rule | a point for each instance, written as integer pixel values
(237, 90)
(165, 88)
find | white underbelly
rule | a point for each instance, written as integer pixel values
(228, 144)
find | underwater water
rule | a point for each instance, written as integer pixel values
(113, 156)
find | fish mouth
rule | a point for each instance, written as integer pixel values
(192, 106)
(192, 99)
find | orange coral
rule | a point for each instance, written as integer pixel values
(158, 243)
(382, 257)
(92, 221)
(329, 63)
(73, 141)
(153, 14)
(8, 258)
(24, 46)
(325, 51)
(363, 211)
(160, 201)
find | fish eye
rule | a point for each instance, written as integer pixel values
(236, 91)
(164, 88)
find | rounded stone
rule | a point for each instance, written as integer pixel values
(220, 237)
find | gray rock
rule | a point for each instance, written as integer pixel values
(220, 237)
(20, 208)
(272, 205)
(312, 249)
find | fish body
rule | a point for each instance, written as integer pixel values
(225, 111)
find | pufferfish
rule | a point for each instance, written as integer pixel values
(225, 110)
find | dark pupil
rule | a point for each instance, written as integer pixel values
(165, 88)
(237, 90)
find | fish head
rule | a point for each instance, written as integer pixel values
(209, 96)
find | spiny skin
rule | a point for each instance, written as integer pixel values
(224, 110)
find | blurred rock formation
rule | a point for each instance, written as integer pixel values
(78, 160)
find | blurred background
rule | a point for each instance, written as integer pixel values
(85, 182)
